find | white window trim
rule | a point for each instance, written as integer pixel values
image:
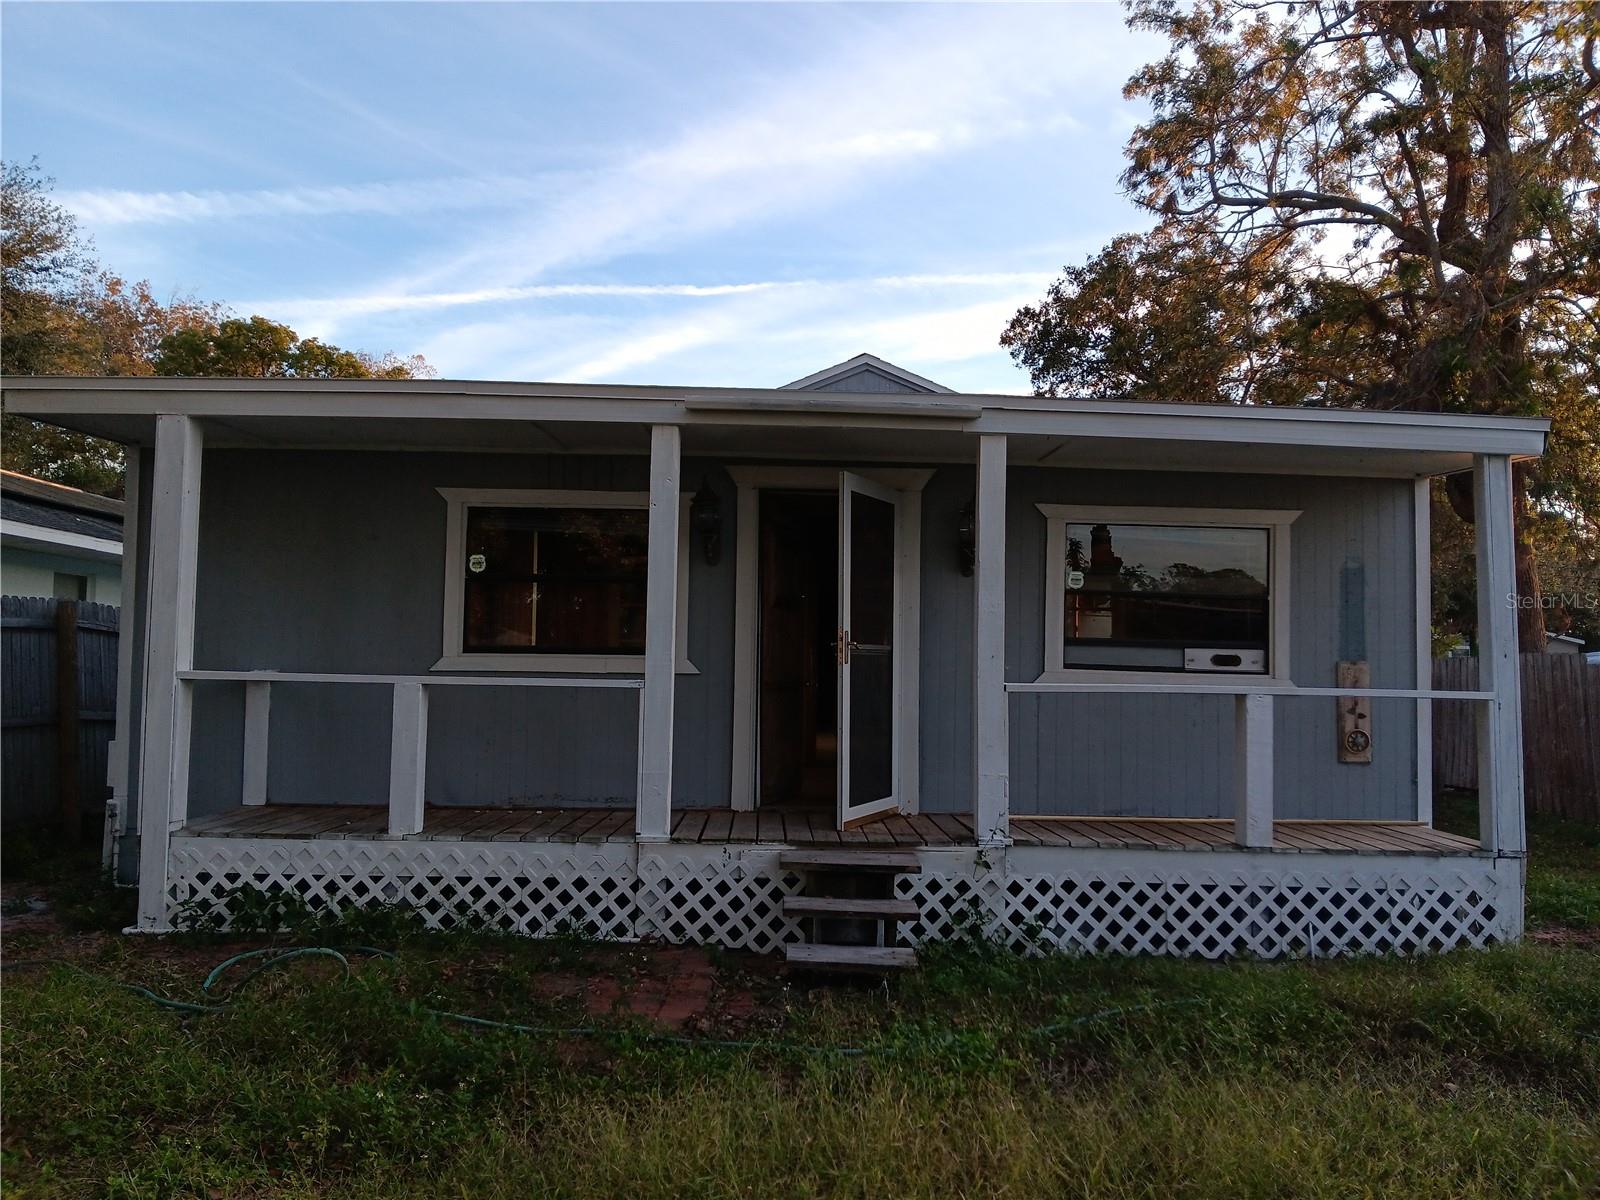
(458, 500)
(1058, 516)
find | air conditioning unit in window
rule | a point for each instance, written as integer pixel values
(1201, 658)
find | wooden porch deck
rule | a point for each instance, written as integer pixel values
(717, 826)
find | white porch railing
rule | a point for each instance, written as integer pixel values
(1252, 742)
(408, 746)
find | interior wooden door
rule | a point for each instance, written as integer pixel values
(868, 602)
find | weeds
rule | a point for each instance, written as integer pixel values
(1473, 1074)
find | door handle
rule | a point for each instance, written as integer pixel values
(841, 647)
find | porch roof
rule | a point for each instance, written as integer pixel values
(776, 423)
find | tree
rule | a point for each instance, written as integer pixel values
(60, 314)
(1381, 205)
(44, 265)
(259, 348)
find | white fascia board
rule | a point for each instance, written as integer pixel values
(48, 397)
(1329, 429)
(37, 537)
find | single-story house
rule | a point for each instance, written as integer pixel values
(58, 541)
(650, 661)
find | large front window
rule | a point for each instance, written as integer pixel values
(554, 581)
(1166, 597)
(1164, 590)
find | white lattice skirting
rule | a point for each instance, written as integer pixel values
(1210, 905)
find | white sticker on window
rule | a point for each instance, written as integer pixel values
(477, 563)
(1074, 579)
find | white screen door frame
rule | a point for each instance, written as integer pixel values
(866, 651)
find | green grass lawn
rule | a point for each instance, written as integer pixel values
(982, 1074)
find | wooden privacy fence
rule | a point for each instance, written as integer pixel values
(1560, 732)
(53, 760)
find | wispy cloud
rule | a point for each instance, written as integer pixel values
(105, 207)
(902, 98)
(744, 333)
(322, 313)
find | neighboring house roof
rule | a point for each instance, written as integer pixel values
(866, 373)
(40, 515)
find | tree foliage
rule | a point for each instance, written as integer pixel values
(259, 348)
(61, 314)
(1377, 205)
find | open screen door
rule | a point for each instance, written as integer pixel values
(868, 519)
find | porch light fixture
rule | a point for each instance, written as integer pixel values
(967, 537)
(705, 518)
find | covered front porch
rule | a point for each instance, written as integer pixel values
(1266, 851)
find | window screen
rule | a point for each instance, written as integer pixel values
(555, 581)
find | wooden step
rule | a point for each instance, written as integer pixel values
(865, 909)
(849, 958)
(901, 862)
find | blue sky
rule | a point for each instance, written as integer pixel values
(716, 194)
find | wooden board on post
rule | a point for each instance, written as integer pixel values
(69, 789)
(1354, 716)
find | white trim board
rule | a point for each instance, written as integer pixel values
(452, 658)
(1058, 516)
(23, 536)
(750, 480)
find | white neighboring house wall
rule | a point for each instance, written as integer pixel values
(58, 541)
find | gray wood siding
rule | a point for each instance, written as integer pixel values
(333, 561)
(1172, 755)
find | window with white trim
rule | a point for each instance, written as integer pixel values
(1166, 591)
(551, 581)
(554, 580)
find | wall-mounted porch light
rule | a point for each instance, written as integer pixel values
(705, 519)
(967, 537)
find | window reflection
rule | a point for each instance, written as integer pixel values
(1161, 597)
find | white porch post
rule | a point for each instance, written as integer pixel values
(169, 648)
(653, 811)
(408, 759)
(1252, 771)
(992, 745)
(1422, 558)
(1500, 817)
(119, 757)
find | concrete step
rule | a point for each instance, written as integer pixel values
(872, 959)
(899, 862)
(865, 909)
